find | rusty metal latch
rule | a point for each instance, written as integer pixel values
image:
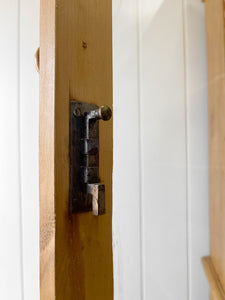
(86, 192)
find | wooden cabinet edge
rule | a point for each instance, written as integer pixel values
(213, 279)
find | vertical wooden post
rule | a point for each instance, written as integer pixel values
(216, 109)
(75, 63)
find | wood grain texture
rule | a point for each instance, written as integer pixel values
(217, 292)
(47, 150)
(76, 251)
(216, 108)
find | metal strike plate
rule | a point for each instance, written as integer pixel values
(86, 193)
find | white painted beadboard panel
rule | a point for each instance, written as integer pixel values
(10, 212)
(29, 103)
(197, 143)
(173, 199)
(126, 174)
(163, 143)
(160, 215)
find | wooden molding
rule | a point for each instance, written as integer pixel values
(213, 279)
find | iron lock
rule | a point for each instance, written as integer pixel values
(86, 192)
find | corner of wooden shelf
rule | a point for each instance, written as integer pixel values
(213, 279)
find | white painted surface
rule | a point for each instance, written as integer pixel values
(10, 217)
(160, 205)
(163, 135)
(29, 115)
(126, 179)
(197, 146)
(163, 42)
(19, 228)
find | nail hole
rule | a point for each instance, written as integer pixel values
(84, 45)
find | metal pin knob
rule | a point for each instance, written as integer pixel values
(104, 113)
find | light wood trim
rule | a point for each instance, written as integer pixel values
(214, 11)
(47, 150)
(75, 251)
(214, 282)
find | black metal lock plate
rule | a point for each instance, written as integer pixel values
(86, 192)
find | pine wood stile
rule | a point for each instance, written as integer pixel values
(216, 110)
(75, 63)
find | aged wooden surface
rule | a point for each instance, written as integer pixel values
(46, 151)
(216, 108)
(216, 288)
(75, 63)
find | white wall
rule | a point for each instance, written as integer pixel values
(10, 217)
(19, 228)
(29, 115)
(160, 204)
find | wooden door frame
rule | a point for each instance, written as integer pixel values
(75, 251)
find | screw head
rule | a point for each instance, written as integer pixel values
(77, 112)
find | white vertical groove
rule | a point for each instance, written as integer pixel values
(197, 146)
(142, 238)
(19, 151)
(188, 232)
